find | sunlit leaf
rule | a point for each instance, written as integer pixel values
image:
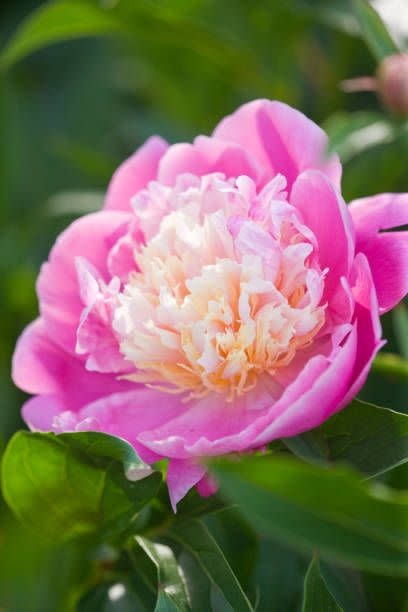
(75, 483)
(171, 589)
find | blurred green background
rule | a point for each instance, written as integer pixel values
(69, 113)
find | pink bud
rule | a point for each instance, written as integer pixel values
(393, 83)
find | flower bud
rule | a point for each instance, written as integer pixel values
(393, 83)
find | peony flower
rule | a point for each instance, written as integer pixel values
(224, 297)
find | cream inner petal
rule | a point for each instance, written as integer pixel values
(228, 288)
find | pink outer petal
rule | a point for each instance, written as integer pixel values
(368, 325)
(39, 412)
(127, 414)
(181, 477)
(326, 214)
(42, 367)
(134, 174)
(281, 138)
(211, 427)
(91, 237)
(387, 253)
(207, 155)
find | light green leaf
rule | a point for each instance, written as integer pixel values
(54, 22)
(316, 595)
(75, 483)
(353, 133)
(171, 589)
(370, 438)
(315, 508)
(75, 203)
(195, 538)
(373, 30)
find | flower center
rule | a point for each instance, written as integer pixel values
(228, 287)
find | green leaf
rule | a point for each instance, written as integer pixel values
(311, 446)
(194, 506)
(278, 576)
(353, 133)
(75, 483)
(197, 583)
(373, 30)
(315, 508)
(54, 22)
(400, 321)
(370, 438)
(316, 595)
(346, 586)
(171, 589)
(195, 538)
(237, 540)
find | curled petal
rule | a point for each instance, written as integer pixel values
(181, 477)
(41, 366)
(323, 209)
(387, 252)
(90, 237)
(368, 325)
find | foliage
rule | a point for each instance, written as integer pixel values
(316, 522)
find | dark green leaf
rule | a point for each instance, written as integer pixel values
(311, 446)
(195, 538)
(316, 595)
(197, 583)
(312, 507)
(113, 597)
(171, 589)
(75, 484)
(194, 506)
(372, 439)
(237, 540)
(277, 580)
(345, 585)
(55, 22)
(373, 30)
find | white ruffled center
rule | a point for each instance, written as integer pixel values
(228, 287)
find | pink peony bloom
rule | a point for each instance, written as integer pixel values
(225, 296)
